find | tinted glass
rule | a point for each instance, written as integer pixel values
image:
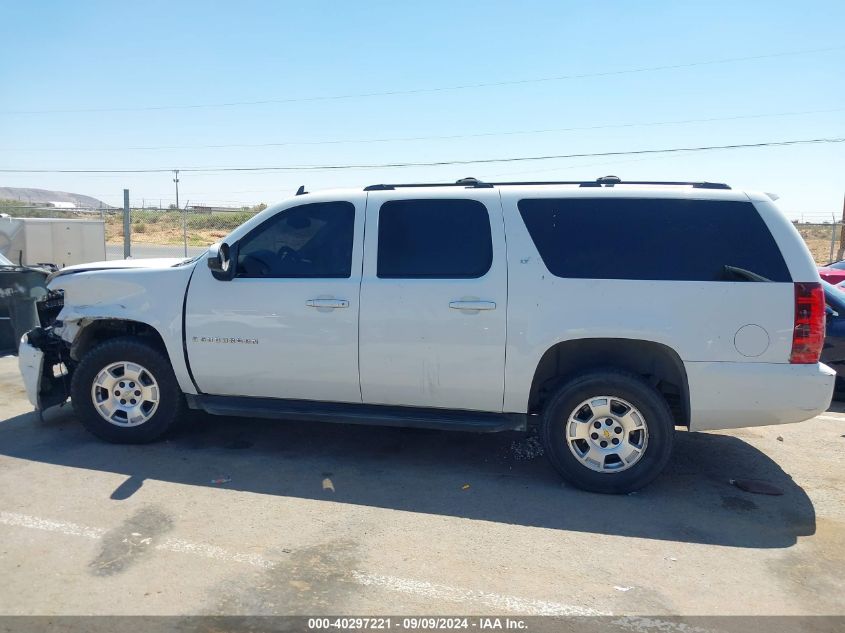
(312, 240)
(639, 238)
(444, 239)
(837, 265)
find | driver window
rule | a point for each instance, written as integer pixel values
(311, 240)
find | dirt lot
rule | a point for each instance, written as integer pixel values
(818, 239)
(328, 519)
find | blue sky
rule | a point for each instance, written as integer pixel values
(110, 55)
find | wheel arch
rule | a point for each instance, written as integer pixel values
(658, 363)
(96, 331)
(96, 404)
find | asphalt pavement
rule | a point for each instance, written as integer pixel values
(141, 250)
(258, 517)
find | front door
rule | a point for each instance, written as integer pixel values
(434, 300)
(286, 326)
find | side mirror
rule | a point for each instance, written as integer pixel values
(220, 261)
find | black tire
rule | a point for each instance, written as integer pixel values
(628, 387)
(171, 404)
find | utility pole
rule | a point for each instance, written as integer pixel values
(176, 180)
(184, 213)
(841, 250)
(127, 226)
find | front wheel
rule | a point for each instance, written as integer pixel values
(124, 391)
(608, 431)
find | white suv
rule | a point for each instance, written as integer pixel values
(603, 313)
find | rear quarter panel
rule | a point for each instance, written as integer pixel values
(792, 247)
(699, 320)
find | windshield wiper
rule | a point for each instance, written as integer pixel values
(188, 260)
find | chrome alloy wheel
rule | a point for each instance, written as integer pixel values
(125, 394)
(607, 434)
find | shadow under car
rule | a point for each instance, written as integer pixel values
(425, 471)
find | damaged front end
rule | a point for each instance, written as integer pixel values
(23, 297)
(85, 305)
(46, 367)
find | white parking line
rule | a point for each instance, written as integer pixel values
(416, 588)
(212, 551)
(169, 544)
(62, 527)
(436, 592)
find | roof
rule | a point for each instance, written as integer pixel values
(608, 186)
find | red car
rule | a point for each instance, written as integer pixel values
(833, 273)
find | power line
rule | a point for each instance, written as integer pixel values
(478, 161)
(411, 91)
(576, 166)
(435, 137)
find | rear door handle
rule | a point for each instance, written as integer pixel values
(327, 303)
(472, 305)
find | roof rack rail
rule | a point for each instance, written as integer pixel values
(610, 181)
(604, 181)
(468, 182)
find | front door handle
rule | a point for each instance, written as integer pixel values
(327, 303)
(472, 305)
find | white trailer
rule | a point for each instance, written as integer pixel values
(58, 241)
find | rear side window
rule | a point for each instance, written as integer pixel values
(441, 239)
(658, 239)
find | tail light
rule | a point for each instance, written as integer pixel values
(808, 333)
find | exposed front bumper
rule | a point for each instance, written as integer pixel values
(31, 364)
(736, 395)
(39, 354)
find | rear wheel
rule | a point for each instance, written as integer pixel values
(608, 431)
(124, 391)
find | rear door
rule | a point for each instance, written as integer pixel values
(434, 299)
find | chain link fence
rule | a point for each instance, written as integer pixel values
(171, 232)
(154, 232)
(823, 240)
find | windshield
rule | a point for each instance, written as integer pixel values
(4, 261)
